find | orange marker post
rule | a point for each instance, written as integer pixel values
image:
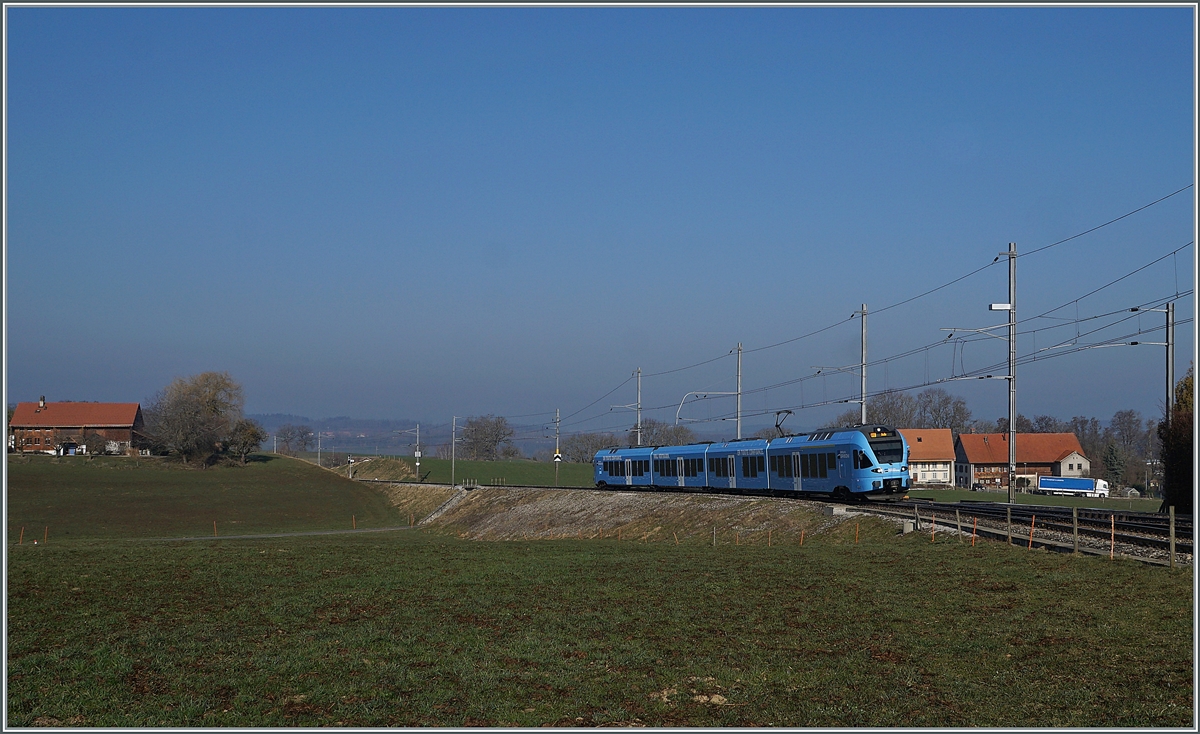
(856, 533)
(1031, 524)
(768, 538)
(802, 536)
(932, 528)
(974, 527)
(22, 538)
(737, 538)
(353, 522)
(676, 538)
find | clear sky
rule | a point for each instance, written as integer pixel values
(418, 212)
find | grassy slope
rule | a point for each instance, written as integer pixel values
(513, 473)
(414, 629)
(117, 497)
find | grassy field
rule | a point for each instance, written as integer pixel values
(118, 497)
(416, 629)
(857, 627)
(964, 495)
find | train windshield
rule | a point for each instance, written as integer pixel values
(888, 451)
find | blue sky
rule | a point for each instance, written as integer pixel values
(415, 212)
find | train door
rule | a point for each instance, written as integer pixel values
(796, 472)
(731, 470)
(843, 465)
(629, 471)
(679, 471)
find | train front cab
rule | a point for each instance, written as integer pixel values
(882, 460)
(839, 463)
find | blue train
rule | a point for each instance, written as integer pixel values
(846, 462)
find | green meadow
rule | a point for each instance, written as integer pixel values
(110, 627)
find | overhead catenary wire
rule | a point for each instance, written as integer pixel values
(903, 302)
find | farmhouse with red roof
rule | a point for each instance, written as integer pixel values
(983, 458)
(65, 427)
(930, 455)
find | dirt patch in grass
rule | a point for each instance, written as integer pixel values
(523, 513)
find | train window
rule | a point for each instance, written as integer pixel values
(804, 466)
(781, 465)
(752, 466)
(831, 460)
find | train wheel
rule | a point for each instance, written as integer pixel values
(841, 494)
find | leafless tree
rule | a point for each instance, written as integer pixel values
(582, 447)
(485, 437)
(657, 433)
(193, 416)
(286, 435)
(304, 437)
(937, 408)
(246, 436)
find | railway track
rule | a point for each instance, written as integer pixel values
(1141, 535)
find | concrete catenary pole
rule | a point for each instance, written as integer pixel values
(1012, 370)
(862, 389)
(1170, 358)
(639, 406)
(739, 392)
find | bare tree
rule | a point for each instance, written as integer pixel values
(936, 408)
(894, 409)
(193, 416)
(581, 447)
(657, 433)
(246, 436)
(96, 443)
(1050, 424)
(286, 435)
(304, 437)
(485, 437)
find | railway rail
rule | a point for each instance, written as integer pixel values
(1141, 536)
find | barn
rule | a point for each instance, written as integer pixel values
(66, 427)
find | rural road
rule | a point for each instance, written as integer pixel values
(279, 535)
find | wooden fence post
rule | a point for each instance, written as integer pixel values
(1171, 511)
(1031, 524)
(1075, 528)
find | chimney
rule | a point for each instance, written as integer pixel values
(42, 402)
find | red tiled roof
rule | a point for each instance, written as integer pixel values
(1032, 448)
(74, 415)
(929, 444)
